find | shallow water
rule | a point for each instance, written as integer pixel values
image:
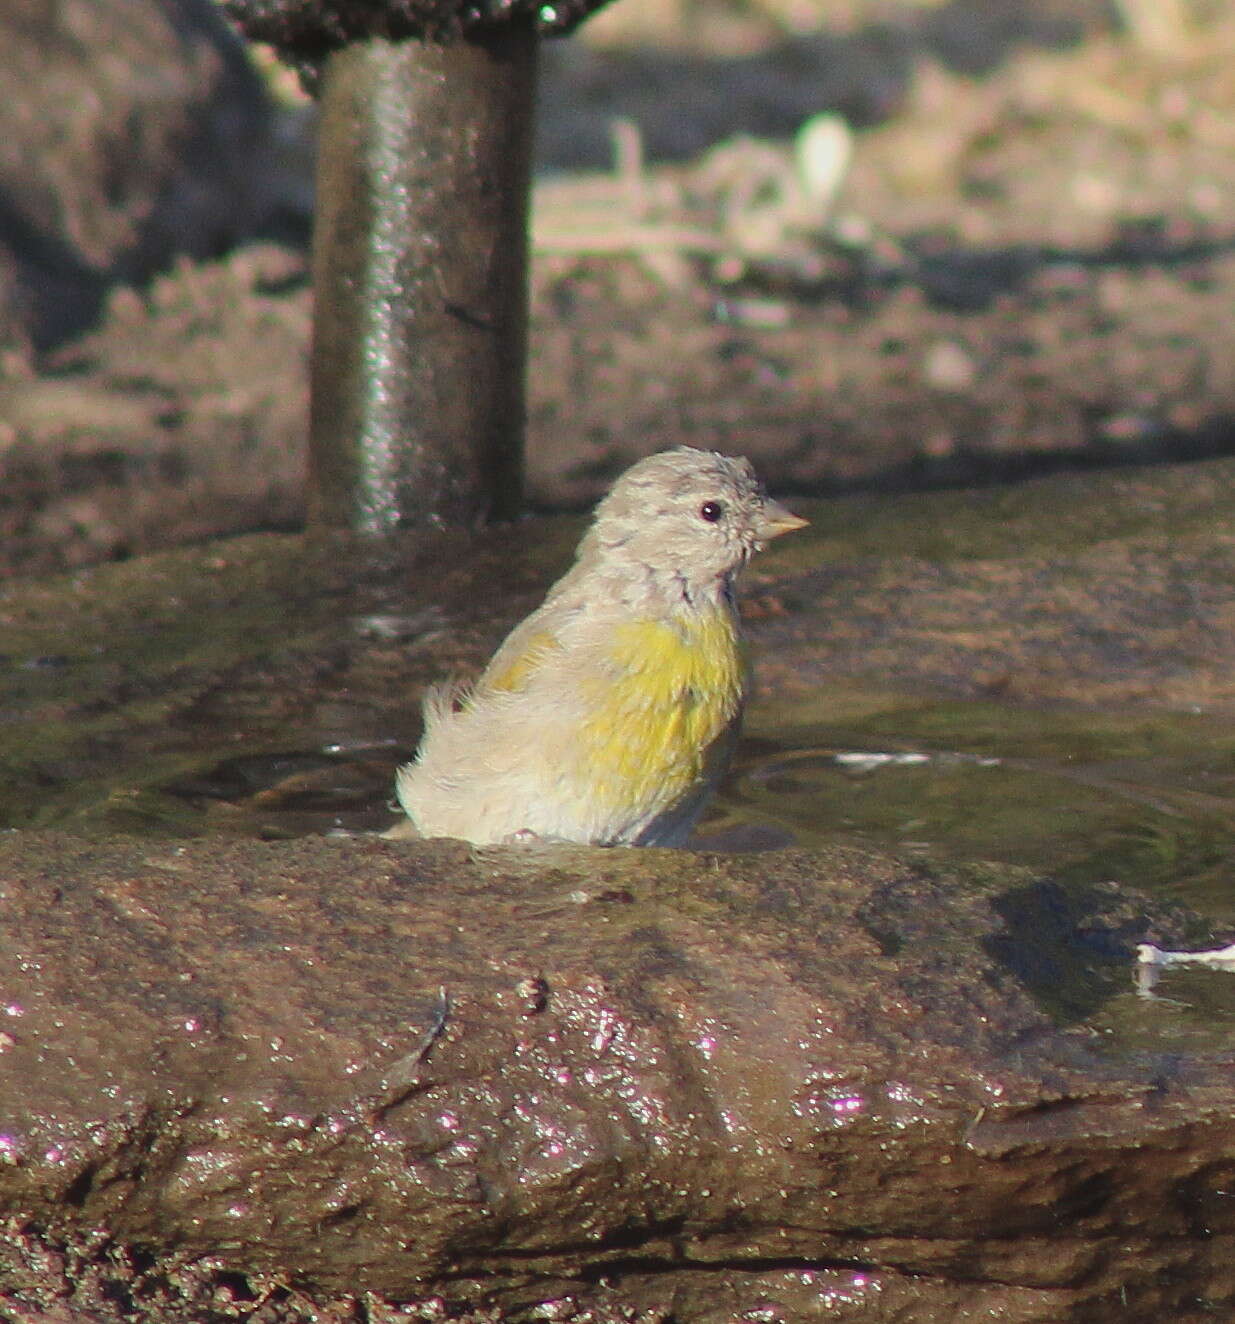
(1145, 799)
(1141, 799)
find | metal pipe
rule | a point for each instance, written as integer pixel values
(420, 279)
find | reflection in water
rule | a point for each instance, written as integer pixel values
(1155, 811)
(306, 793)
(1151, 961)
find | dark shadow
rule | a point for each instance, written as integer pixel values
(1073, 946)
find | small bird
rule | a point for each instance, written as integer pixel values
(609, 715)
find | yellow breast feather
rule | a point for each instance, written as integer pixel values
(673, 689)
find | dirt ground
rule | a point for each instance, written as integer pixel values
(1016, 251)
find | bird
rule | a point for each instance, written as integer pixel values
(609, 715)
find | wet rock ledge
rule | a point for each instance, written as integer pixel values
(354, 1080)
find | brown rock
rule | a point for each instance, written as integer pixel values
(127, 134)
(604, 1084)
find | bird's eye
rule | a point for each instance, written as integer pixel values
(711, 511)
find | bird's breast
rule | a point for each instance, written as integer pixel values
(670, 689)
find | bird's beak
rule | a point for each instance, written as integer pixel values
(775, 520)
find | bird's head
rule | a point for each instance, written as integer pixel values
(687, 517)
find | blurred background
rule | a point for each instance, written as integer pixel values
(872, 244)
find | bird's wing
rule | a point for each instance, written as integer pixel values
(525, 650)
